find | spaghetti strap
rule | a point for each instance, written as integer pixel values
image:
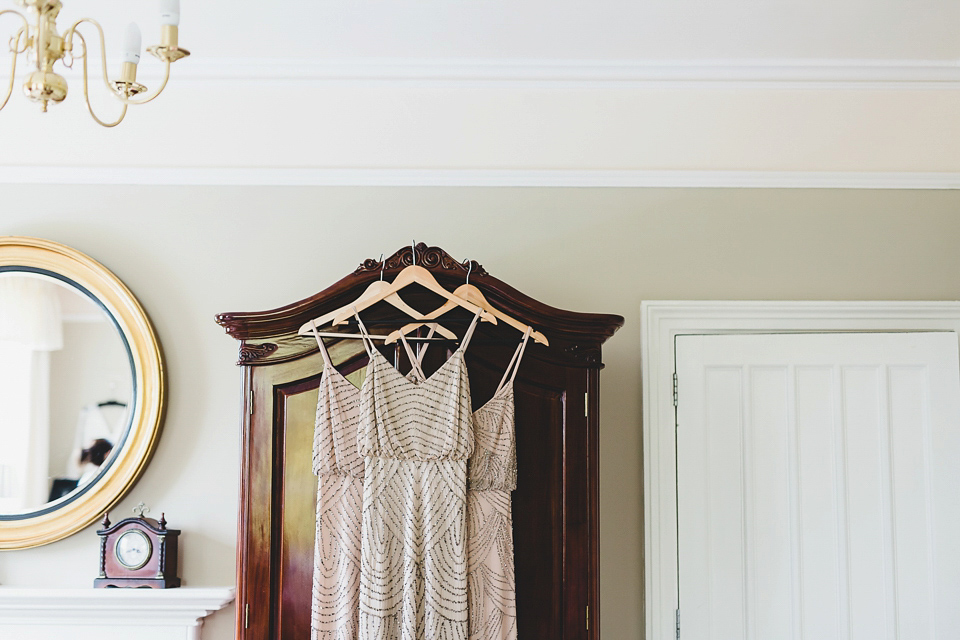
(416, 362)
(367, 342)
(469, 334)
(523, 347)
(423, 351)
(323, 349)
(514, 361)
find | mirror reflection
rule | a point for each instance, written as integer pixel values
(66, 389)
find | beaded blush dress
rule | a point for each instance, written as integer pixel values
(336, 568)
(416, 435)
(491, 477)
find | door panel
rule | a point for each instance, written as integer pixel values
(819, 451)
(815, 488)
(867, 524)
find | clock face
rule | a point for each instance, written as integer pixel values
(133, 549)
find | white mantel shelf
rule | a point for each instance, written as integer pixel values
(107, 614)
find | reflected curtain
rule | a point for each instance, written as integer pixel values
(30, 327)
(30, 313)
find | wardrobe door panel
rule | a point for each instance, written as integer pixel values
(275, 540)
(549, 415)
(538, 509)
(255, 592)
(277, 543)
(297, 499)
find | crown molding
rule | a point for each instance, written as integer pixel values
(763, 73)
(397, 177)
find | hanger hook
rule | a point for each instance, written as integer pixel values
(413, 252)
(469, 269)
(383, 265)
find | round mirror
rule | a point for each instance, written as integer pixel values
(81, 391)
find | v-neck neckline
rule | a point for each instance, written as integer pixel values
(340, 376)
(419, 382)
(344, 379)
(499, 392)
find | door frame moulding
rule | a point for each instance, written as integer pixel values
(661, 321)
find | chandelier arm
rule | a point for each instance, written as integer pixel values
(68, 39)
(163, 85)
(13, 62)
(26, 25)
(86, 92)
(15, 50)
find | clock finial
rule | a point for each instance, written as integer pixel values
(163, 521)
(140, 509)
(106, 519)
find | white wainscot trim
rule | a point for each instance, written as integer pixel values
(660, 323)
(108, 614)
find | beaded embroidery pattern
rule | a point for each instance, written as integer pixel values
(416, 435)
(336, 575)
(435, 502)
(491, 477)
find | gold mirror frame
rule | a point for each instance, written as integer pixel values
(149, 399)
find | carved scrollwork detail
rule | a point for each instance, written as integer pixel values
(587, 355)
(429, 257)
(250, 353)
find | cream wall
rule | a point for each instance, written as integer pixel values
(190, 252)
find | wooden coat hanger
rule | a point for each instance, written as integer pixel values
(374, 289)
(378, 336)
(471, 294)
(413, 274)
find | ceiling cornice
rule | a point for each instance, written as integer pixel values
(786, 73)
(307, 176)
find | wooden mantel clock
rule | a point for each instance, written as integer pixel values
(138, 552)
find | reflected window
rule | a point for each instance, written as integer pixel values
(65, 386)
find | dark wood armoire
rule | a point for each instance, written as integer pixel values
(555, 506)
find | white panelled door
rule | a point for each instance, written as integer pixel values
(818, 486)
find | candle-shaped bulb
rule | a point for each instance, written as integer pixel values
(170, 12)
(131, 44)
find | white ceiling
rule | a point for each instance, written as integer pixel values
(548, 29)
(638, 30)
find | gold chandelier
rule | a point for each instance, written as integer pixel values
(41, 43)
